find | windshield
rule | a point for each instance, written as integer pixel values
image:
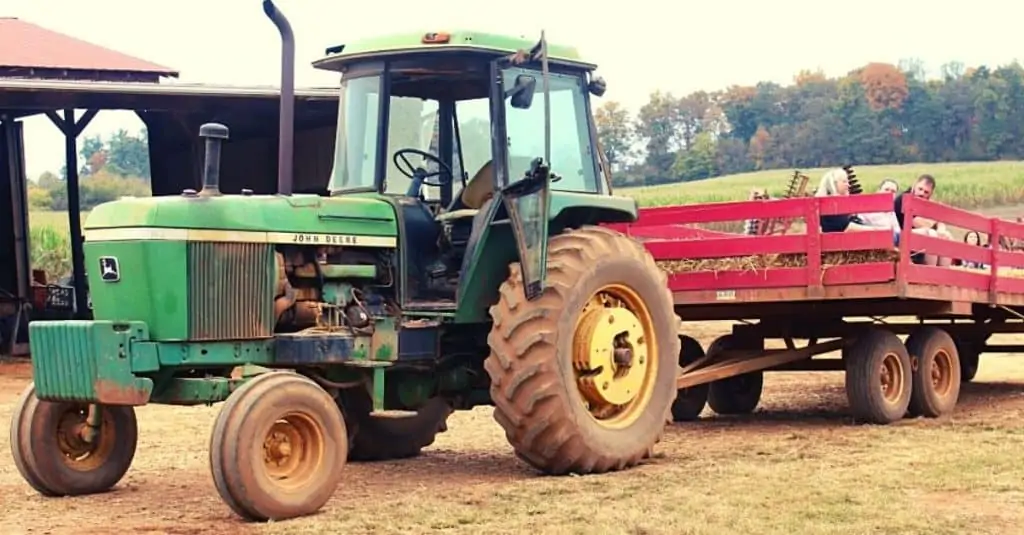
(355, 154)
(415, 123)
(571, 155)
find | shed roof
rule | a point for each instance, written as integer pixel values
(27, 46)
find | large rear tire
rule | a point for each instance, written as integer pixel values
(278, 448)
(52, 454)
(579, 376)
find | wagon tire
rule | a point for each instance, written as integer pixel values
(936, 372)
(690, 401)
(878, 377)
(969, 355)
(739, 394)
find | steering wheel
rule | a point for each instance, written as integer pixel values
(418, 174)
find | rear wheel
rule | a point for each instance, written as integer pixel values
(878, 377)
(739, 394)
(936, 372)
(278, 447)
(54, 452)
(689, 401)
(382, 437)
(577, 378)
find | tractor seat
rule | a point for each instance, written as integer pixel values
(473, 196)
(451, 215)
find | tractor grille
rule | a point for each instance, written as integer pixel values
(230, 291)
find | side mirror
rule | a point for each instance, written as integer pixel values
(522, 92)
(597, 86)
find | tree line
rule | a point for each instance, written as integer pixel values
(113, 167)
(877, 114)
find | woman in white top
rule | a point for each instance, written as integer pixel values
(883, 219)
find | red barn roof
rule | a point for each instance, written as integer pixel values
(28, 50)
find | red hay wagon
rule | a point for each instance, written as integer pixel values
(948, 313)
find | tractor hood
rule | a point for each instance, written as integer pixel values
(297, 214)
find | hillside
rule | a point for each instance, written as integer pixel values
(966, 185)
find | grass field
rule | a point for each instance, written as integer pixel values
(798, 465)
(964, 185)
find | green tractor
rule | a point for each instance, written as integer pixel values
(349, 325)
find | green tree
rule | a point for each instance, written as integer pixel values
(615, 131)
(128, 155)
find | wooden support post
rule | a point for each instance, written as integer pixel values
(71, 130)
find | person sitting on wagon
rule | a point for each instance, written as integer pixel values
(923, 188)
(973, 238)
(835, 182)
(886, 220)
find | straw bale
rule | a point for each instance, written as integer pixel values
(767, 261)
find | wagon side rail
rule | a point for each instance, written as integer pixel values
(998, 280)
(687, 259)
(661, 222)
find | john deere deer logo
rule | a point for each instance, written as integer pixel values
(109, 271)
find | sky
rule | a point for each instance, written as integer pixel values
(639, 46)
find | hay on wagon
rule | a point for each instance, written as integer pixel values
(775, 260)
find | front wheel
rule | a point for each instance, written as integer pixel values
(579, 378)
(278, 448)
(57, 453)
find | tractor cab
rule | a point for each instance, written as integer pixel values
(437, 123)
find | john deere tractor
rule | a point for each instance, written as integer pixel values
(454, 261)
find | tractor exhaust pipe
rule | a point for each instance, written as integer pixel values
(286, 133)
(215, 134)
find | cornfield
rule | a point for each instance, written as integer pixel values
(969, 186)
(50, 251)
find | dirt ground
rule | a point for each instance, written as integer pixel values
(798, 465)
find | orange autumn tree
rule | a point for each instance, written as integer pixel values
(885, 86)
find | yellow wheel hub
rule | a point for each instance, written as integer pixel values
(293, 450)
(614, 344)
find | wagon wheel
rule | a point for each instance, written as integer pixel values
(57, 454)
(739, 394)
(969, 351)
(278, 448)
(689, 401)
(878, 377)
(936, 372)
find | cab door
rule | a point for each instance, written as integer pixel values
(523, 185)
